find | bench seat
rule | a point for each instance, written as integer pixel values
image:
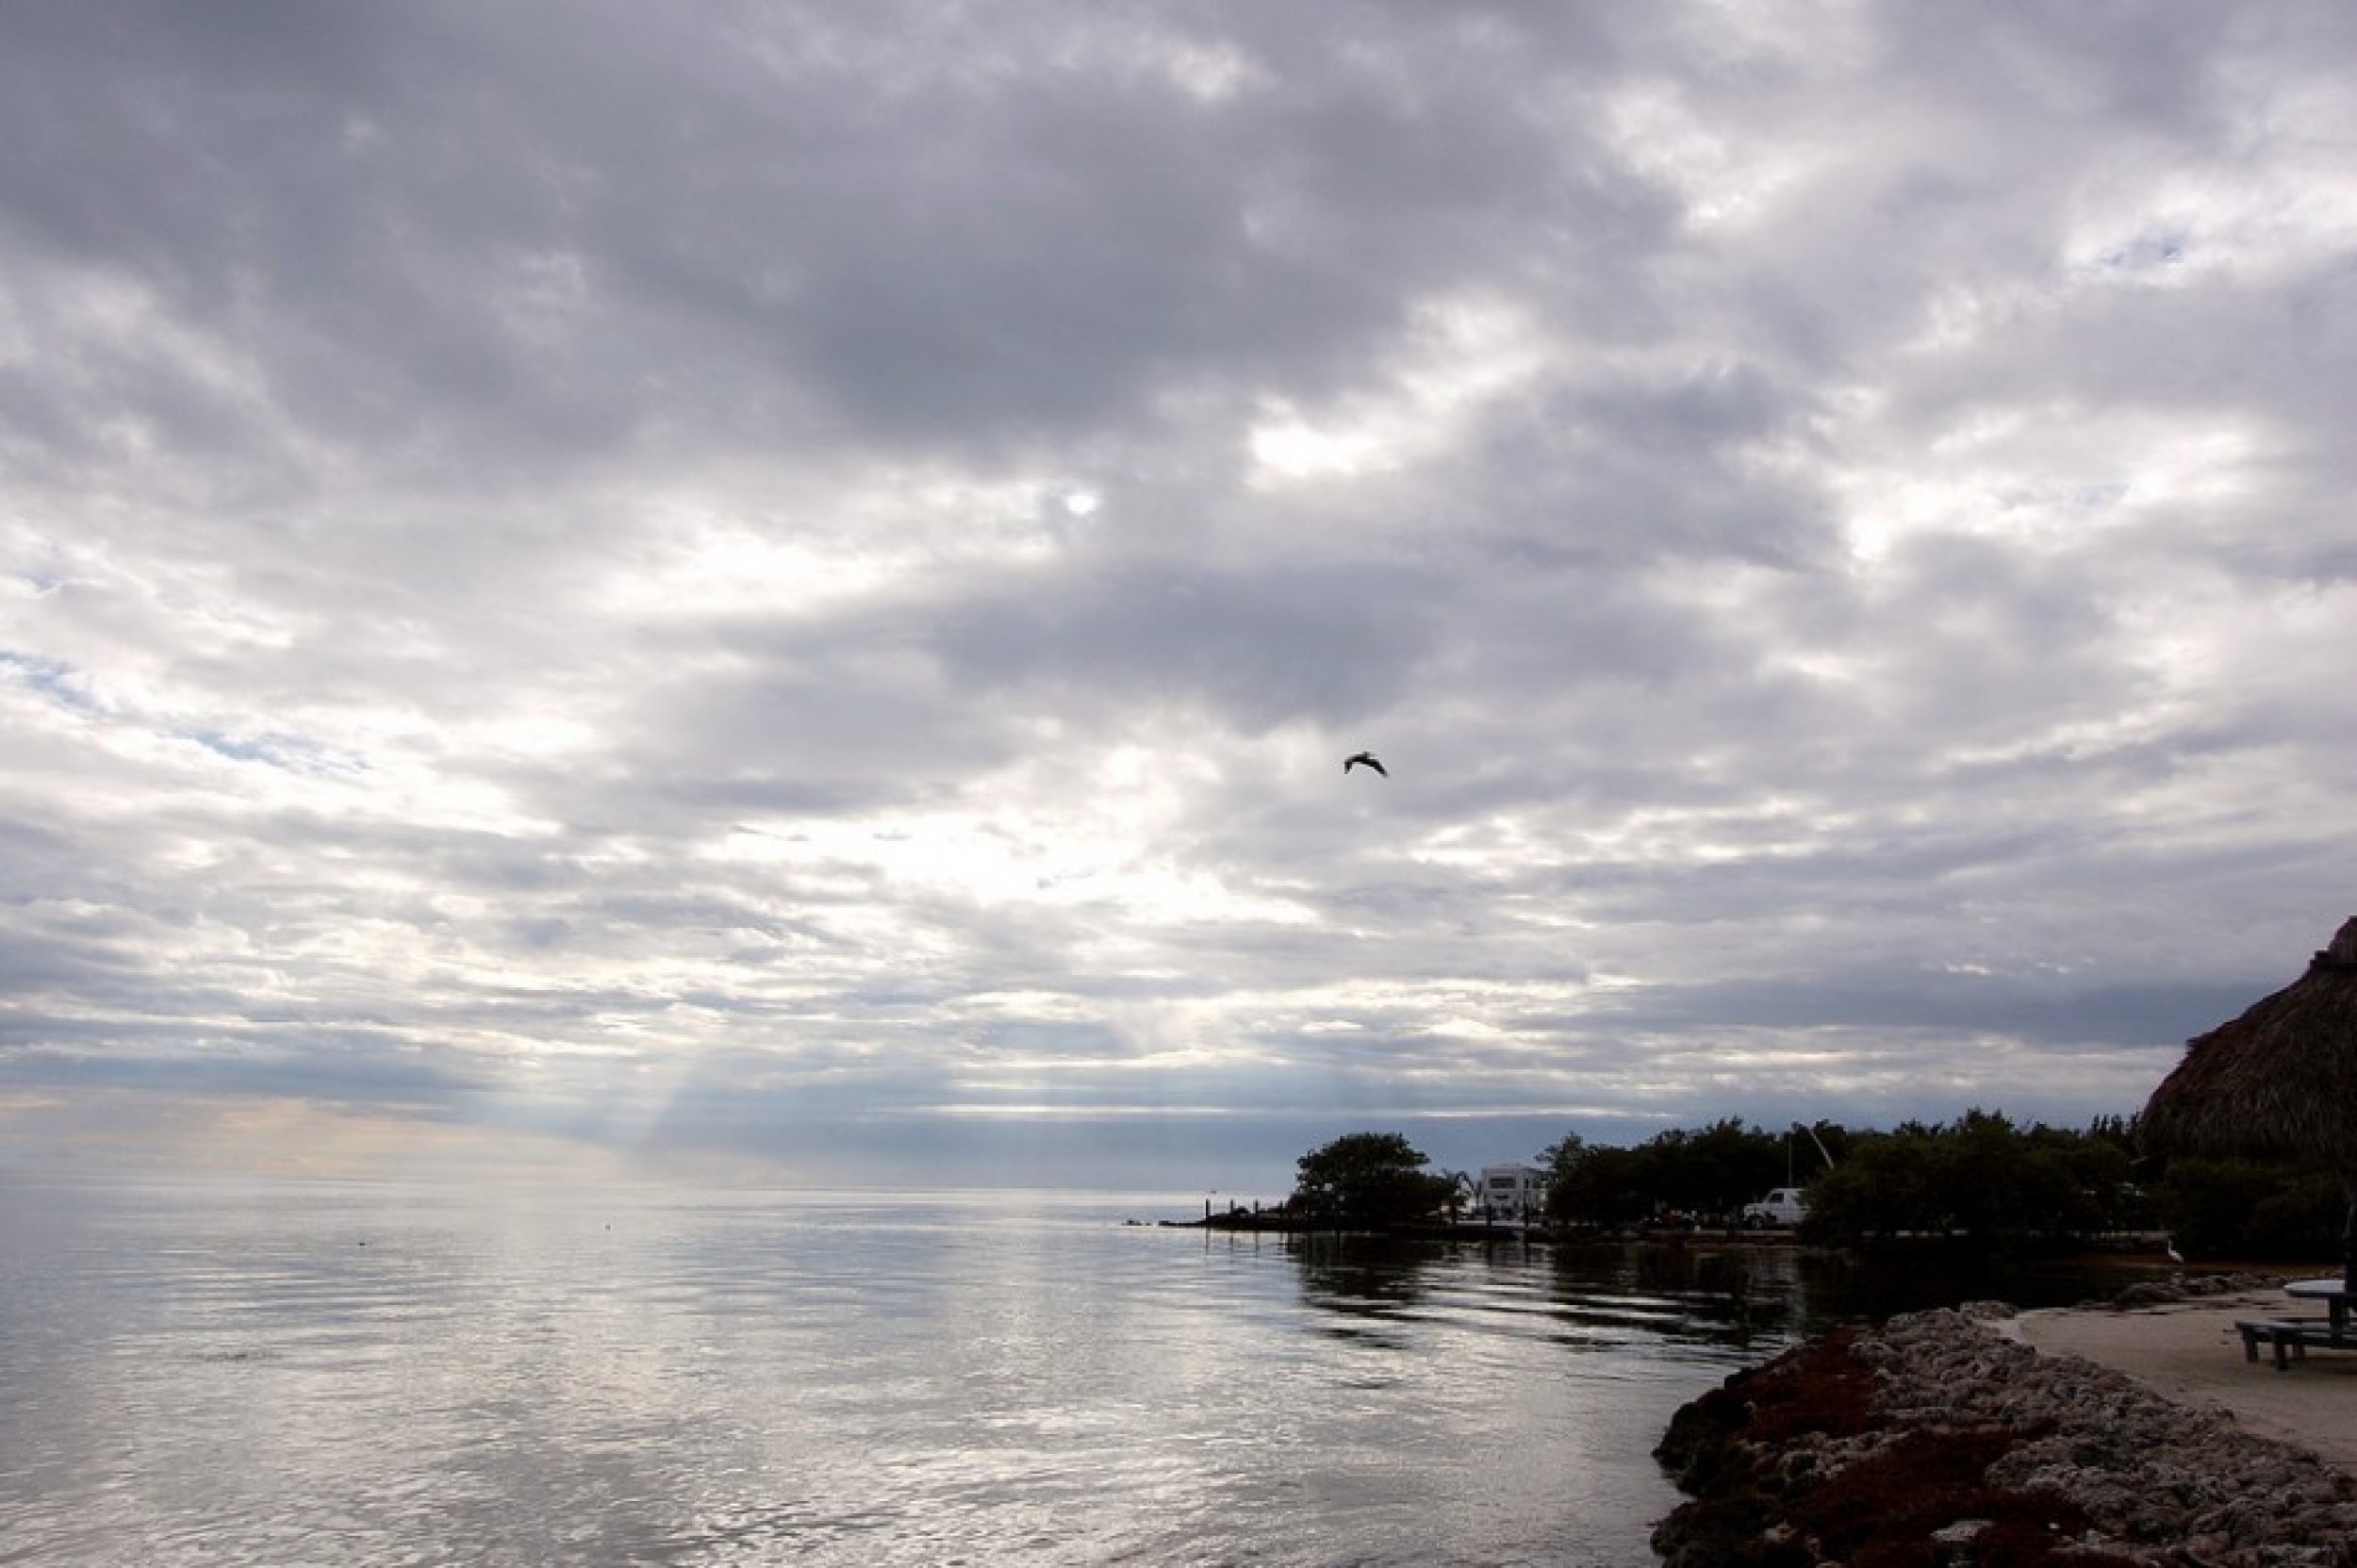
(2290, 1336)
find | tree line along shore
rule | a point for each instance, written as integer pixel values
(1982, 1176)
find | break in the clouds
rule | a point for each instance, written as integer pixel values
(790, 582)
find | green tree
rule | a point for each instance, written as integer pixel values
(1598, 1185)
(1561, 1160)
(1981, 1176)
(2265, 1210)
(1712, 1170)
(1883, 1185)
(1368, 1180)
(1715, 1170)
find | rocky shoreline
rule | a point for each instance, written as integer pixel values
(1938, 1439)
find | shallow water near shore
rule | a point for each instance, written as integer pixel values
(242, 1372)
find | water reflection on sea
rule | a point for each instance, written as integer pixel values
(252, 1372)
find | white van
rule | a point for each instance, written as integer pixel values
(1783, 1206)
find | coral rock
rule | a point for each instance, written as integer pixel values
(1937, 1429)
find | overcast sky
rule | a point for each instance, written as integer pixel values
(783, 589)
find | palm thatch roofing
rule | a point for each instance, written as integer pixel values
(2279, 1082)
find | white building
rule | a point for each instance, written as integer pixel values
(1511, 1191)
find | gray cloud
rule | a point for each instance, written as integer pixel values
(799, 579)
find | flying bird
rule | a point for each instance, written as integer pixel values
(1368, 757)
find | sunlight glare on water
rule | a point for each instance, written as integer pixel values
(252, 1373)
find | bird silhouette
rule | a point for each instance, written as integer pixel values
(1368, 757)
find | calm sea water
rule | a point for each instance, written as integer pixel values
(274, 1374)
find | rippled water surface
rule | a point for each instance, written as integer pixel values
(268, 1373)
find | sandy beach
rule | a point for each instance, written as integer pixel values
(2188, 1351)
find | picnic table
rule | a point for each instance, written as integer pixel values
(2292, 1336)
(2334, 1293)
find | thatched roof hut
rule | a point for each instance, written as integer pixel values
(2279, 1082)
